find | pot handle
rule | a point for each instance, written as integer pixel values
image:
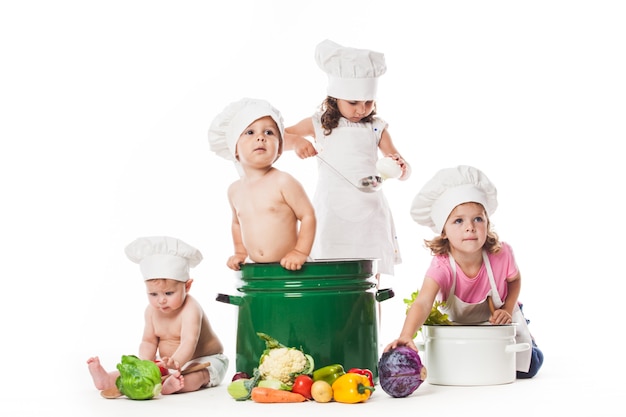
(229, 299)
(384, 294)
(519, 347)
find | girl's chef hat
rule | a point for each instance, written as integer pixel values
(231, 122)
(163, 257)
(449, 188)
(352, 73)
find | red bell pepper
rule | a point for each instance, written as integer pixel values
(164, 371)
(364, 372)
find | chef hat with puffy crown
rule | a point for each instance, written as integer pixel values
(163, 257)
(352, 73)
(231, 122)
(449, 188)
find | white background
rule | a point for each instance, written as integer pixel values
(105, 107)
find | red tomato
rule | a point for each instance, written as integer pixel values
(302, 385)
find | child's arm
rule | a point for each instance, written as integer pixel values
(241, 253)
(295, 139)
(417, 314)
(298, 200)
(504, 314)
(149, 341)
(190, 327)
(300, 253)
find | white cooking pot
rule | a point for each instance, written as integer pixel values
(470, 354)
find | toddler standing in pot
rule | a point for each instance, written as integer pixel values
(471, 266)
(273, 219)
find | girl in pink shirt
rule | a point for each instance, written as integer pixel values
(474, 289)
(472, 271)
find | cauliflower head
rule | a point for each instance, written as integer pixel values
(283, 364)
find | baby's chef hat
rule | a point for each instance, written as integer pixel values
(449, 188)
(163, 257)
(231, 122)
(352, 73)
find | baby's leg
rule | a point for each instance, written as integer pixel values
(173, 383)
(196, 380)
(101, 378)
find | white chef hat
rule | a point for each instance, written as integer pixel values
(231, 122)
(163, 257)
(352, 73)
(449, 188)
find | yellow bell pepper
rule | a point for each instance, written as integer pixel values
(352, 388)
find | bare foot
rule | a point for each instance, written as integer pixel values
(101, 378)
(173, 383)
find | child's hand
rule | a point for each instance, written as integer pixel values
(170, 363)
(304, 148)
(408, 342)
(235, 260)
(293, 260)
(500, 316)
(406, 168)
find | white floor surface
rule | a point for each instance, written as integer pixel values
(582, 378)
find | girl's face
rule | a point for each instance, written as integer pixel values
(259, 143)
(167, 295)
(466, 228)
(355, 110)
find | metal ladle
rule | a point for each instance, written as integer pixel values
(366, 184)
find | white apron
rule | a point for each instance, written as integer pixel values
(478, 313)
(351, 223)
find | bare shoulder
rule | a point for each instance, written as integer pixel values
(193, 306)
(233, 187)
(284, 179)
(282, 175)
(194, 301)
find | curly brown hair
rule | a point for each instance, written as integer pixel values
(331, 115)
(440, 245)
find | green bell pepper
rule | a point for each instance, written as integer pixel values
(329, 373)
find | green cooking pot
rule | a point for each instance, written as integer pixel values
(327, 308)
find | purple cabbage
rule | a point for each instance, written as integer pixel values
(400, 371)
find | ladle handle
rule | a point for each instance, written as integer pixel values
(336, 171)
(196, 367)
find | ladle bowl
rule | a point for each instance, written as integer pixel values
(367, 184)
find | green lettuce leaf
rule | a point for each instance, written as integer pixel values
(436, 317)
(139, 379)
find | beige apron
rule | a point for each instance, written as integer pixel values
(478, 313)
